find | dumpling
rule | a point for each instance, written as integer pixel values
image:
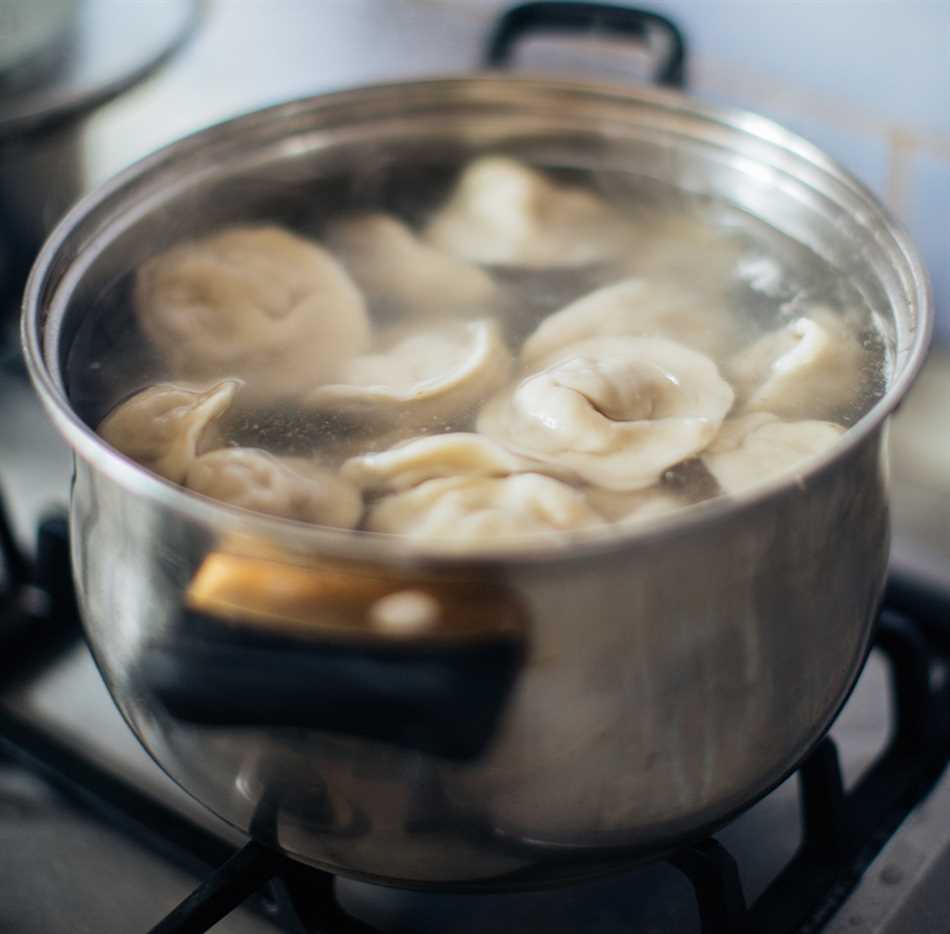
(811, 367)
(617, 411)
(634, 508)
(165, 427)
(290, 487)
(503, 213)
(475, 511)
(422, 377)
(255, 302)
(470, 455)
(447, 455)
(690, 246)
(757, 447)
(404, 274)
(634, 307)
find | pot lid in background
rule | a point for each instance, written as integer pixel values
(32, 36)
(74, 55)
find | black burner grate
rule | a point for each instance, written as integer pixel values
(842, 830)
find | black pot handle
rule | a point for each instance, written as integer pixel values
(568, 17)
(323, 668)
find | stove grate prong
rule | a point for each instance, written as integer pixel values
(714, 875)
(224, 890)
(909, 656)
(825, 824)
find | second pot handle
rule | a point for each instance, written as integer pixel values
(570, 17)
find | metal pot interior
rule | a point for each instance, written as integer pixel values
(397, 147)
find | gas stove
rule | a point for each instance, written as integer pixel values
(95, 838)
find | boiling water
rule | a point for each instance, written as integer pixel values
(749, 270)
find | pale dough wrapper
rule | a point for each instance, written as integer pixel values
(475, 511)
(635, 508)
(503, 213)
(254, 302)
(406, 274)
(810, 368)
(165, 427)
(423, 377)
(638, 308)
(757, 447)
(289, 487)
(616, 411)
(456, 454)
(688, 248)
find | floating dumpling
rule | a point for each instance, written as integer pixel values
(617, 411)
(166, 426)
(809, 368)
(404, 274)
(423, 377)
(633, 307)
(255, 302)
(635, 507)
(457, 454)
(695, 247)
(757, 447)
(290, 487)
(474, 511)
(503, 213)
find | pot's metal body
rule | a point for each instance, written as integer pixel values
(667, 678)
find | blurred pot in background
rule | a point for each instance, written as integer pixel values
(59, 60)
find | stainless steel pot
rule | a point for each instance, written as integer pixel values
(563, 711)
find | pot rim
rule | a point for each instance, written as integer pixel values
(395, 549)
